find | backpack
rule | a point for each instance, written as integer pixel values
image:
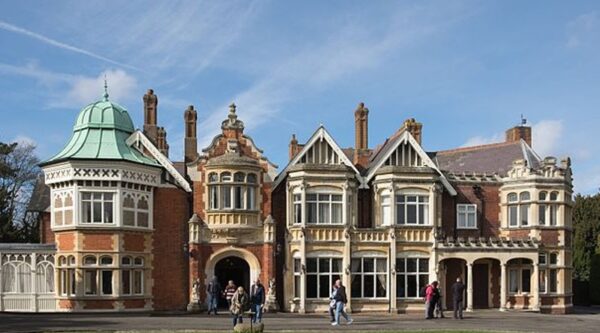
(423, 291)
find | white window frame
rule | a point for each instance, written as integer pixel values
(297, 208)
(136, 210)
(102, 204)
(519, 205)
(330, 202)
(318, 274)
(386, 208)
(518, 270)
(465, 210)
(371, 275)
(420, 220)
(405, 273)
(227, 185)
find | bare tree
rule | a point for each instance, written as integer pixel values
(18, 173)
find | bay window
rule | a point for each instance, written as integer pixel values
(297, 208)
(324, 208)
(297, 277)
(412, 209)
(411, 275)
(136, 210)
(519, 276)
(132, 276)
(98, 279)
(386, 209)
(97, 207)
(369, 277)
(236, 192)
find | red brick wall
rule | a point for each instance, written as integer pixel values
(549, 237)
(171, 213)
(46, 234)
(133, 242)
(98, 305)
(98, 241)
(488, 209)
(65, 241)
(134, 303)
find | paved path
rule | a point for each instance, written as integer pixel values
(585, 320)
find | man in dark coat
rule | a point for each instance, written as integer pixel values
(458, 288)
(257, 300)
(341, 299)
(213, 291)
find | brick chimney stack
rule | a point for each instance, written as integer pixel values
(294, 149)
(519, 132)
(150, 109)
(161, 141)
(190, 144)
(361, 127)
(414, 128)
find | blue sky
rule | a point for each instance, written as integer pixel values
(466, 69)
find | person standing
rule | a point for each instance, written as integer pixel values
(213, 290)
(239, 304)
(430, 299)
(257, 300)
(332, 303)
(340, 301)
(439, 307)
(229, 291)
(458, 288)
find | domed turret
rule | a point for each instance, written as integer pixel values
(100, 132)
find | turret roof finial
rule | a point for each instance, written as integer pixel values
(232, 108)
(105, 89)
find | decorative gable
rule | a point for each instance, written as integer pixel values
(404, 150)
(320, 149)
(405, 155)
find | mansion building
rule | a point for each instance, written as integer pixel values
(124, 228)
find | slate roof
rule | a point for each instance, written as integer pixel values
(40, 197)
(495, 158)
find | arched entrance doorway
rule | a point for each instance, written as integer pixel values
(235, 269)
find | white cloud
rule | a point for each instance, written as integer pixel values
(547, 137)
(581, 29)
(85, 90)
(32, 70)
(482, 140)
(351, 49)
(13, 28)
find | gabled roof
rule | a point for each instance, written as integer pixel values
(139, 141)
(40, 197)
(320, 133)
(404, 137)
(495, 158)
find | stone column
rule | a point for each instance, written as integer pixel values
(469, 286)
(34, 291)
(502, 286)
(392, 275)
(347, 263)
(535, 287)
(302, 267)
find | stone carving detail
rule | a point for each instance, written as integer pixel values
(271, 301)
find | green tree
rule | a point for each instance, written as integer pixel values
(18, 173)
(586, 225)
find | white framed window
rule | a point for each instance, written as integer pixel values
(232, 192)
(97, 207)
(386, 209)
(466, 216)
(518, 209)
(62, 209)
(412, 209)
(321, 274)
(98, 276)
(519, 276)
(297, 208)
(136, 210)
(411, 275)
(132, 276)
(297, 277)
(324, 208)
(369, 277)
(16, 276)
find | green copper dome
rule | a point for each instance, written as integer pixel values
(100, 133)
